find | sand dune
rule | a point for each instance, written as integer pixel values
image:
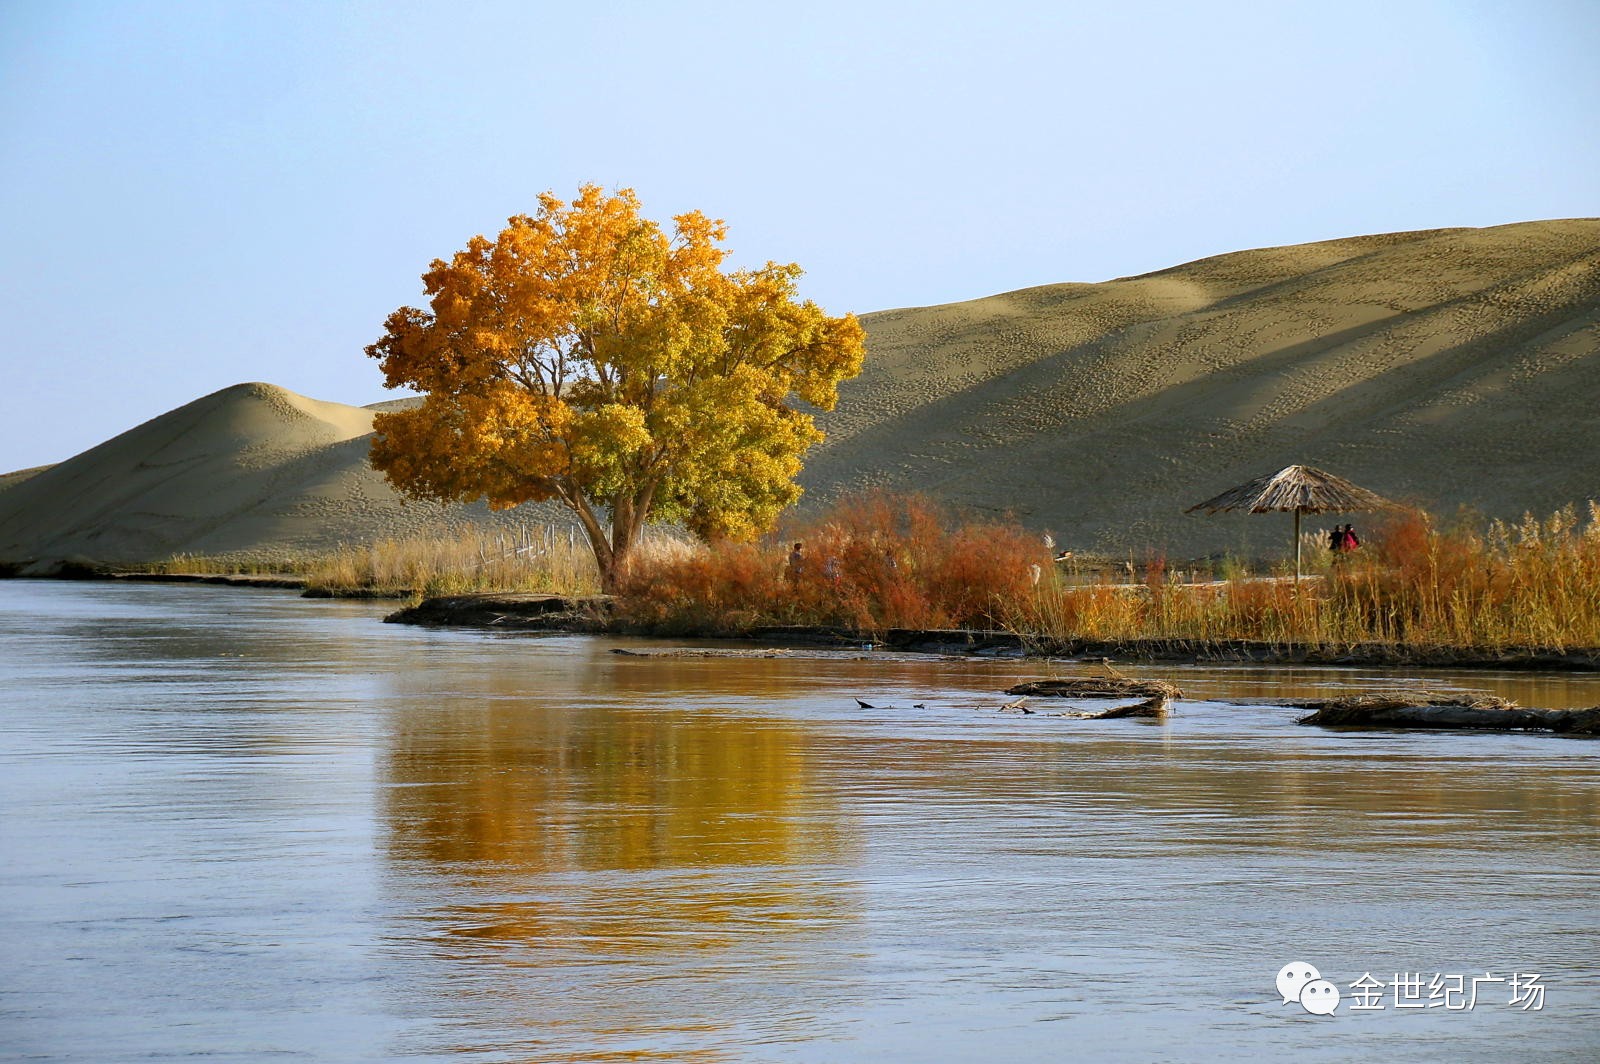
(251, 470)
(8, 480)
(1455, 367)
(1451, 368)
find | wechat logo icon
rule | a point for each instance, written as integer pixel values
(1298, 981)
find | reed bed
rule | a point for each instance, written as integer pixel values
(879, 561)
(536, 558)
(882, 562)
(469, 561)
(222, 565)
(1531, 584)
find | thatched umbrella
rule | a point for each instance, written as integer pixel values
(1299, 490)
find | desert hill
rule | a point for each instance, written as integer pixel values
(250, 470)
(1454, 367)
(8, 480)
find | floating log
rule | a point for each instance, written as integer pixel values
(1401, 709)
(1096, 687)
(1151, 707)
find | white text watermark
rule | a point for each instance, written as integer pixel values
(1404, 991)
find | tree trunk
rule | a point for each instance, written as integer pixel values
(620, 553)
(595, 533)
(611, 553)
(624, 529)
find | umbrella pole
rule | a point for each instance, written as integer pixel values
(1297, 546)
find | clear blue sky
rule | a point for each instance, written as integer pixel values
(197, 194)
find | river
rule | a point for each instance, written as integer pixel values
(240, 825)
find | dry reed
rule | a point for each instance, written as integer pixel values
(1532, 584)
(540, 558)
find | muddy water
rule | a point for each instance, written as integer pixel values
(244, 826)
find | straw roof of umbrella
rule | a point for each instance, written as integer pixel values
(1296, 489)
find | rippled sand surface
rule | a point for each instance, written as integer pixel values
(243, 826)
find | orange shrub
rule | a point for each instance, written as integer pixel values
(873, 562)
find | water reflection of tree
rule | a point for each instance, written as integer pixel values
(603, 880)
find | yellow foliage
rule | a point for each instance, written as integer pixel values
(587, 355)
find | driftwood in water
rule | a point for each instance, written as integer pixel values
(1402, 709)
(1150, 707)
(1096, 687)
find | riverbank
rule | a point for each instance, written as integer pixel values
(547, 612)
(541, 612)
(530, 559)
(1524, 594)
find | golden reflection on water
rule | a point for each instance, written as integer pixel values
(539, 839)
(577, 848)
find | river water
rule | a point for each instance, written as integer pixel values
(243, 826)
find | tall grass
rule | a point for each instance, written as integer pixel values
(250, 564)
(1532, 584)
(472, 560)
(542, 558)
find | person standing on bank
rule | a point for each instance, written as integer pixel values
(797, 561)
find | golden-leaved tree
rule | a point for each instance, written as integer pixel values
(587, 355)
